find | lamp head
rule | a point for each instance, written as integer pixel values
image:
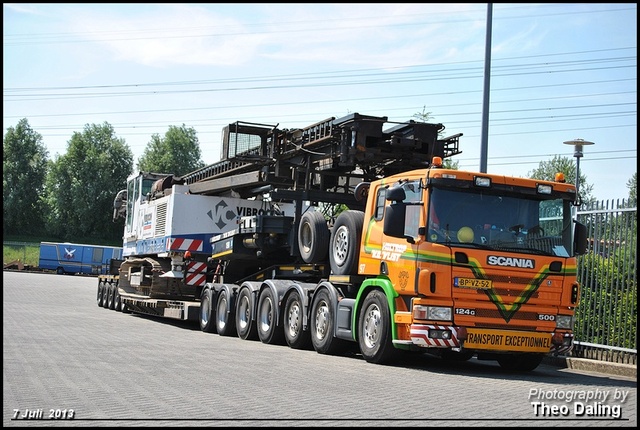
(578, 144)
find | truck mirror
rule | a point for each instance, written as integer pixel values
(580, 242)
(396, 194)
(394, 219)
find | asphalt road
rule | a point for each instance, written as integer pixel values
(68, 362)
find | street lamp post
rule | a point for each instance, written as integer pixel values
(578, 144)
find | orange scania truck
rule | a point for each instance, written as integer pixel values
(418, 258)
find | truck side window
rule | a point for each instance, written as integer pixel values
(380, 202)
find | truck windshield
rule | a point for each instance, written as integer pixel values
(504, 223)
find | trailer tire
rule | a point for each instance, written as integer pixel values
(104, 297)
(345, 242)
(225, 315)
(60, 271)
(118, 300)
(111, 298)
(374, 329)
(520, 362)
(207, 312)
(323, 320)
(245, 324)
(294, 333)
(269, 331)
(313, 237)
(100, 292)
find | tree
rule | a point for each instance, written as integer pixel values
(178, 152)
(632, 184)
(423, 116)
(547, 170)
(24, 168)
(82, 184)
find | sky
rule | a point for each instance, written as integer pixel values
(558, 72)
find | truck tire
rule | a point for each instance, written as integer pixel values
(345, 242)
(520, 362)
(374, 329)
(294, 333)
(225, 315)
(269, 331)
(60, 271)
(207, 311)
(323, 320)
(245, 325)
(313, 237)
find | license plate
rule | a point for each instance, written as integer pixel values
(481, 284)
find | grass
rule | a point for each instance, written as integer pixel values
(26, 249)
(27, 253)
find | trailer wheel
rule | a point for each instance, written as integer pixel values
(225, 316)
(118, 300)
(105, 296)
(294, 333)
(60, 271)
(100, 291)
(323, 321)
(345, 242)
(111, 299)
(245, 326)
(313, 237)
(267, 319)
(374, 329)
(520, 362)
(207, 311)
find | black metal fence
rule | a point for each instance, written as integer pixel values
(606, 318)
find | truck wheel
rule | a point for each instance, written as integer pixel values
(374, 329)
(313, 237)
(268, 330)
(244, 315)
(100, 292)
(323, 321)
(207, 312)
(520, 362)
(225, 318)
(345, 242)
(294, 333)
(60, 271)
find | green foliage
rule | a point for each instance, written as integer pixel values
(632, 184)
(547, 170)
(607, 312)
(81, 184)
(448, 163)
(177, 153)
(28, 255)
(24, 160)
(423, 116)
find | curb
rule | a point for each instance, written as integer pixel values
(617, 369)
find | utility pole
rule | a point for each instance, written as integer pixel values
(485, 102)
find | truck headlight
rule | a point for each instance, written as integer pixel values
(564, 321)
(437, 313)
